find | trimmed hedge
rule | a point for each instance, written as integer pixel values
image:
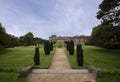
(36, 56)
(47, 48)
(51, 46)
(71, 47)
(79, 55)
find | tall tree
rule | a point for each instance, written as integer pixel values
(38, 40)
(109, 12)
(2, 29)
(2, 33)
(21, 41)
(106, 36)
(5, 38)
(28, 38)
(14, 40)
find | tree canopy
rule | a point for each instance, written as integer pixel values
(106, 36)
(28, 38)
(8, 40)
(109, 12)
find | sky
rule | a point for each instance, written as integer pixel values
(49, 17)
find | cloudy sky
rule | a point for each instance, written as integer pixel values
(46, 17)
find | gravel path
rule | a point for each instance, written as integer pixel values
(60, 71)
(60, 61)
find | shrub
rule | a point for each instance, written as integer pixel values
(51, 46)
(1, 47)
(67, 45)
(47, 48)
(79, 55)
(36, 56)
(112, 45)
(71, 47)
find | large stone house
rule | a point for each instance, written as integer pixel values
(77, 39)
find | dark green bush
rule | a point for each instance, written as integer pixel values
(71, 47)
(47, 48)
(79, 55)
(112, 45)
(51, 46)
(36, 56)
(67, 45)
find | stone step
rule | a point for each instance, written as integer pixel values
(68, 71)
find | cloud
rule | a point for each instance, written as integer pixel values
(66, 18)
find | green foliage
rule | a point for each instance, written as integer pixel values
(51, 46)
(28, 39)
(79, 52)
(7, 40)
(109, 12)
(14, 41)
(37, 40)
(106, 36)
(36, 56)
(21, 41)
(67, 44)
(71, 47)
(47, 48)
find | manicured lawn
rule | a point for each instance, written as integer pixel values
(107, 60)
(14, 59)
(109, 78)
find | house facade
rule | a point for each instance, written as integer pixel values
(77, 39)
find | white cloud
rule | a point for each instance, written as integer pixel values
(15, 30)
(65, 17)
(69, 17)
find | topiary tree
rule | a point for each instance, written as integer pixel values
(36, 56)
(51, 46)
(71, 47)
(47, 48)
(79, 55)
(67, 45)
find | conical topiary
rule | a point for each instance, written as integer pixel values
(71, 47)
(79, 52)
(47, 48)
(36, 56)
(51, 46)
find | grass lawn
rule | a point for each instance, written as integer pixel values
(107, 60)
(14, 59)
